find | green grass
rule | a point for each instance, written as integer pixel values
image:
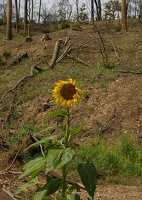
(112, 160)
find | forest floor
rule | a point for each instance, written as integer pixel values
(111, 104)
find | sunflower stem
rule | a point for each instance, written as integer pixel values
(64, 168)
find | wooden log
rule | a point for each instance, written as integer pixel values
(55, 54)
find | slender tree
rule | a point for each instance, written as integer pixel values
(92, 11)
(123, 15)
(98, 9)
(77, 10)
(17, 16)
(39, 12)
(25, 18)
(32, 11)
(9, 20)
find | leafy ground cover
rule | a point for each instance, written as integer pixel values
(110, 109)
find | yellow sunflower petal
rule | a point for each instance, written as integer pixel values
(66, 93)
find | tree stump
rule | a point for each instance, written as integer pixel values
(28, 39)
(45, 37)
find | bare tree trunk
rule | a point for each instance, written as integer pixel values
(39, 11)
(92, 11)
(123, 16)
(19, 5)
(17, 16)
(9, 20)
(98, 9)
(32, 13)
(25, 18)
(77, 10)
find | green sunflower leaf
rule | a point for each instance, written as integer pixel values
(47, 129)
(75, 131)
(88, 176)
(44, 140)
(25, 186)
(57, 113)
(47, 189)
(57, 158)
(73, 197)
(34, 166)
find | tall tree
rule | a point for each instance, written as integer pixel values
(92, 11)
(25, 18)
(9, 20)
(98, 9)
(39, 12)
(77, 10)
(32, 11)
(123, 15)
(17, 16)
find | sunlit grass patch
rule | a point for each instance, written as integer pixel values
(122, 158)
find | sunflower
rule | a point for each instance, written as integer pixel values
(66, 93)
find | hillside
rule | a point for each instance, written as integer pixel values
(110, 106)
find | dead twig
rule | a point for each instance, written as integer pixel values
(7, 191)
(9, 172)
(108, 119)
(130, 72)
(79, 60)
(116, 52)
(41, 147)
(15, 156)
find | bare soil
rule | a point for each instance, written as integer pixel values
(111, 105)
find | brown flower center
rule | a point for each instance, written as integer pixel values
(68, 91)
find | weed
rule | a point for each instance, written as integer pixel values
(1, 61)
(7, 54)
(17, 135)
(118, 28)
(109, 65)
(121, 158)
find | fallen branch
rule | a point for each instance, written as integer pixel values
(9, 172)
(17, 60)
(67, 50)
(7, 191)
(130, 72)
(55, 54)
(79, 60)
(116, 53)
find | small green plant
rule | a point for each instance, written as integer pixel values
(7, 54)
(58, 153)
(118, 28)
(1, 61)
(65, 24)
(109, 65)
(46, 30)
(76, 26)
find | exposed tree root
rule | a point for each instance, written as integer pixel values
(17, 60)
